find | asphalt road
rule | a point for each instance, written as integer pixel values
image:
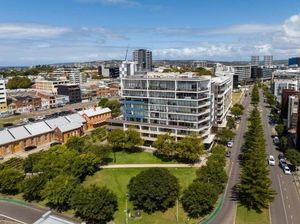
(21, 213)
(285, 209)
(228, 210)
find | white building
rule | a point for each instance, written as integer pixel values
(128, 68)
(268, 60)
(179, 104)
(292, 120)
(280, 84)
(199, 64)
(222, 89)
(77, 77)
(3, 103)
(49, 85)
(223, 70)
(255, 60)
(288, 74)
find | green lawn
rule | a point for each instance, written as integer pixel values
(245, 216)
(117, 180)
(236, 97)
(136, 158)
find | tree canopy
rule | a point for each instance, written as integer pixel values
(18, 82)
(94, 204)
(10, 180)
(154, 189)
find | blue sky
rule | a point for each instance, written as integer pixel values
(49, 31)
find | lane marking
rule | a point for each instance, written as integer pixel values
(16, 220)
(289, 206)
(281, 194)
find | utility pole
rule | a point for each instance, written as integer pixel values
(177, 211)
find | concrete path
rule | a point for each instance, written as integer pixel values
(121, 166)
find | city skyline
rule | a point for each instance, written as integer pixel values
(85, 30)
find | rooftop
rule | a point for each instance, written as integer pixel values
(94, 111)
(170, 75)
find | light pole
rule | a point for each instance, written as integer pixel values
(126, 209)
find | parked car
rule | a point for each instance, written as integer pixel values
(28, 148)
(230, 144)
(281, 156)
(228, 154)
(282, 163)
(55, 143)
(276, 140)
(271, 160)
(287, 170)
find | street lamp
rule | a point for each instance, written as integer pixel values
(126, 208)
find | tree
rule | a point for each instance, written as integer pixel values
(255, 95)
(99, 134)
(231, 123)
(283, 142)
(165, 145)
(280, 129)
(154, 189)
(189, 148)
(32, 187)
(133, 139)
(117, 138)
(199, 199)
(293, 156)
(101, 151)
(10, 180)
(103, 102)
(94, 204)
(76, 143)
(224, 135)
(18, 82)
(59, 190)
(115, 107)
(83, 165)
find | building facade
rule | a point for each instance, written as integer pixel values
(255, 60)
(294, 62)
(268, 60)
(143, 58)
(70, 90)
(49, 85)
(280, 84)
(179, 104)
(128, 68)
(242, 73)
(3, 102)
(292, 119)
(95, 116)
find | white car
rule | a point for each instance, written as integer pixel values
(230, 144)
(271, 160)
(276, 140)
(287, 170)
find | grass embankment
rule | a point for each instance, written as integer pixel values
(118, 179)
(136, 158)
(245, 216)
(236, 96)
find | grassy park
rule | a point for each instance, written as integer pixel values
(236, 96)
(245, 216)
(117, 180)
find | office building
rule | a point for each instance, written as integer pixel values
(3, 103)
(199, 64)
(77, 77)
(294, 62)
(255, 60)
(109, 72)
(287, 74)
(70, 90)
(280, 84)
(242, 73)
(128, 68)
(49, 85)
(143, 58)
(268, 60)
(179, 104)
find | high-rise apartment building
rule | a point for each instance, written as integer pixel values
(254, 60)
(143, 58)
(3, 103)
(77, 77)
(178, 104)
(268, 60)
(128, 68)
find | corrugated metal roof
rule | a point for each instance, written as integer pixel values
(75, 118)
(38, 128)
(94, 111)
(69, 127)
(55, 122)
(5, 137)
(19, 132)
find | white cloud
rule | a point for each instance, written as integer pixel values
(19, 30)
(291, 26)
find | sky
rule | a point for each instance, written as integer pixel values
(55, 31)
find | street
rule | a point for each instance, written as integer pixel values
(228, 210)
(286, 206)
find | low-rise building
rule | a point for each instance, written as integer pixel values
(3, 103)
(25, 104)
(72, 91)
(95, 116)
(45, 85)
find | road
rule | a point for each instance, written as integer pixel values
(286, 206)
(228, 210)
(21, 213)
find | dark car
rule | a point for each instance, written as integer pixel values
(55, 143)
(228, 154)
(28, 148)
(281, 156)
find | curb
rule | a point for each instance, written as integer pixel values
(215, 212)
